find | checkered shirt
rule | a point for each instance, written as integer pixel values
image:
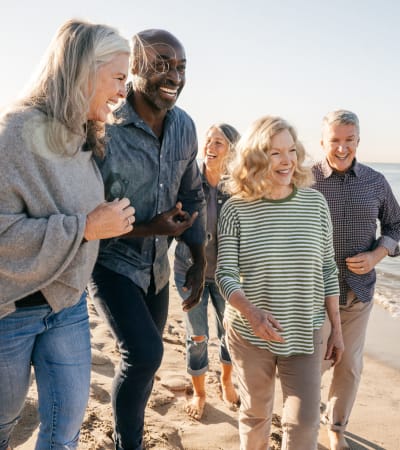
(358, 200)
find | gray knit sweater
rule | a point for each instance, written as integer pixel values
(44, 199)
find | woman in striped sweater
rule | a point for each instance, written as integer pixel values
(276, 269)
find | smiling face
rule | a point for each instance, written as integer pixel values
(216, 149)
(340, 141)
(282, 164)
(109, 87)
(163, 78)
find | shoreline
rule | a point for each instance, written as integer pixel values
(383, 338)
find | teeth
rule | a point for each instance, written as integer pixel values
(169, 91)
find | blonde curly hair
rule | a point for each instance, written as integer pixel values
(249, 171)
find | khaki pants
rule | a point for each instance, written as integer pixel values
(347, 374)
(300, 378)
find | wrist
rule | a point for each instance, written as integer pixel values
(87, 235)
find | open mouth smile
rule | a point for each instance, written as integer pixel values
(169, 92)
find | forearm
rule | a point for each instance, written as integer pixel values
(239, 301)
(379, 253)
(333, 312)
(198, 252)
(141, 230)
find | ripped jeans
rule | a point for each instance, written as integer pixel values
(196, 321)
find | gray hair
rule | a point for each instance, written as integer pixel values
(232, 136)
(65, 82)
(230, 133)
(343, 117)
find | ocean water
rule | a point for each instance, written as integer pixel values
(387, 292)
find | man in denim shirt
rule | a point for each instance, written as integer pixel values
(358, 197)
(151, 159)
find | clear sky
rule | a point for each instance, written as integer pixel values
(247, 58)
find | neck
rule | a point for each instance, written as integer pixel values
(152, 116)
(280, 192)
(213, 176)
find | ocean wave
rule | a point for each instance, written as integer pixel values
(386, 301)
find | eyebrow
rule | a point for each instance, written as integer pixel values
(277, 148)
(170, 57)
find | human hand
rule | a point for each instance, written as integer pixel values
(364, 262)
(110, 219)
(264, 325)
(195, 277)
(173, 222)
(335, 347)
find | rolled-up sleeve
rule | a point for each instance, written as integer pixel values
(389, 217)
(192, 197)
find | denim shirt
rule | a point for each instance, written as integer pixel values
(183, 257)
(154, 174)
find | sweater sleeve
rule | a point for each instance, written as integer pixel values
(227, 274)
(329, 268)
(38, 239)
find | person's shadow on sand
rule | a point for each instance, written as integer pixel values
(359, 443)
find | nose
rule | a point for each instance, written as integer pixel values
(174, 75)
(285, 158)
(122, 90)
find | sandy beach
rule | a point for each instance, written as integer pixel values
(374, 422)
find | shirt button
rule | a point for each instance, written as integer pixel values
(156, 239)
(161, 185)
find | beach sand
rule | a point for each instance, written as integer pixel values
(374, 423)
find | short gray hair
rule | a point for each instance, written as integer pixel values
(343, 117)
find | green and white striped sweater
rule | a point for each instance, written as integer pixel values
(280, 254)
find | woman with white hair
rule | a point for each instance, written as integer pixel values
(52, 215)
(218, 150)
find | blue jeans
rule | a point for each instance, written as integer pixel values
(58, 347)
(196, 321)
(137, 321)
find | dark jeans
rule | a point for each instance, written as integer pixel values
(137, 321)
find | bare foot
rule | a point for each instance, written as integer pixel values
(337, 441)
(229, 393)
(195, 408)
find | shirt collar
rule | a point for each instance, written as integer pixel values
(327, 170)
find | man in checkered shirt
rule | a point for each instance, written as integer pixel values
(358, 197)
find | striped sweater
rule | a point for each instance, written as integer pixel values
(280, 254)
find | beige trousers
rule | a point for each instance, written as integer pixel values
(347, 374)
(300, 378)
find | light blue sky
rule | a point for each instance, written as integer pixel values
(248, 58)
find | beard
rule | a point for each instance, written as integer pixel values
(151, 92)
